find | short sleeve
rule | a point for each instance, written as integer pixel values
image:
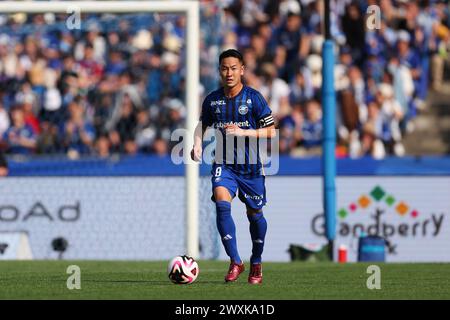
(262, 112)
(205, 116)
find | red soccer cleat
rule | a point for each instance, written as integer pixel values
(234, 271)
(255, 276)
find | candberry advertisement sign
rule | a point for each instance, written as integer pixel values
(143, 218)
(412, 213)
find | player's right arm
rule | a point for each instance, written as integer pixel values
(203, 124)
(197, 149)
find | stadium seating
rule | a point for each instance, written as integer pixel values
(125, 75)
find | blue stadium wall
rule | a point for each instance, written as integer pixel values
(133, 208)
(163, 166)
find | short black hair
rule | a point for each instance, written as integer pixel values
(231, 53)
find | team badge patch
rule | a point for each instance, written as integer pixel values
(243, 109)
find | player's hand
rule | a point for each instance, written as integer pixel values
(196, 153)
(234, 130)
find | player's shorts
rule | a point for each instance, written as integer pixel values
(251, 190)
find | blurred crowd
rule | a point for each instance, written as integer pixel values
(385, 66)
(117, 85)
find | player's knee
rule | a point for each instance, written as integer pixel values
(253, 212)
(254, 215)
(222, 194)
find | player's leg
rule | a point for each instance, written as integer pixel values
(253, 193)
(225, 223)
(224, 190)
(258, 230)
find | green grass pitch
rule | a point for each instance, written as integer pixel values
(282, 281)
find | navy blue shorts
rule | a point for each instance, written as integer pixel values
(252, 190)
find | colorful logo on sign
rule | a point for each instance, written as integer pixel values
(378, 195)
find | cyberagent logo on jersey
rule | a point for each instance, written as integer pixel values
(213, 147)
(240, 124)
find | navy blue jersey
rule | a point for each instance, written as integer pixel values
(248, 110)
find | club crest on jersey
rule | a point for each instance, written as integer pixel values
(243, 109)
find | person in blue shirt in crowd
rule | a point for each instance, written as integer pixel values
(78, 134)
(20, 137)
(312, 125)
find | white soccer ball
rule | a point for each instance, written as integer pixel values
(182, 270)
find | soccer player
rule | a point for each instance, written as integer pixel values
(237, 112)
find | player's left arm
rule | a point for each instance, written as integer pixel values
(266, 126)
